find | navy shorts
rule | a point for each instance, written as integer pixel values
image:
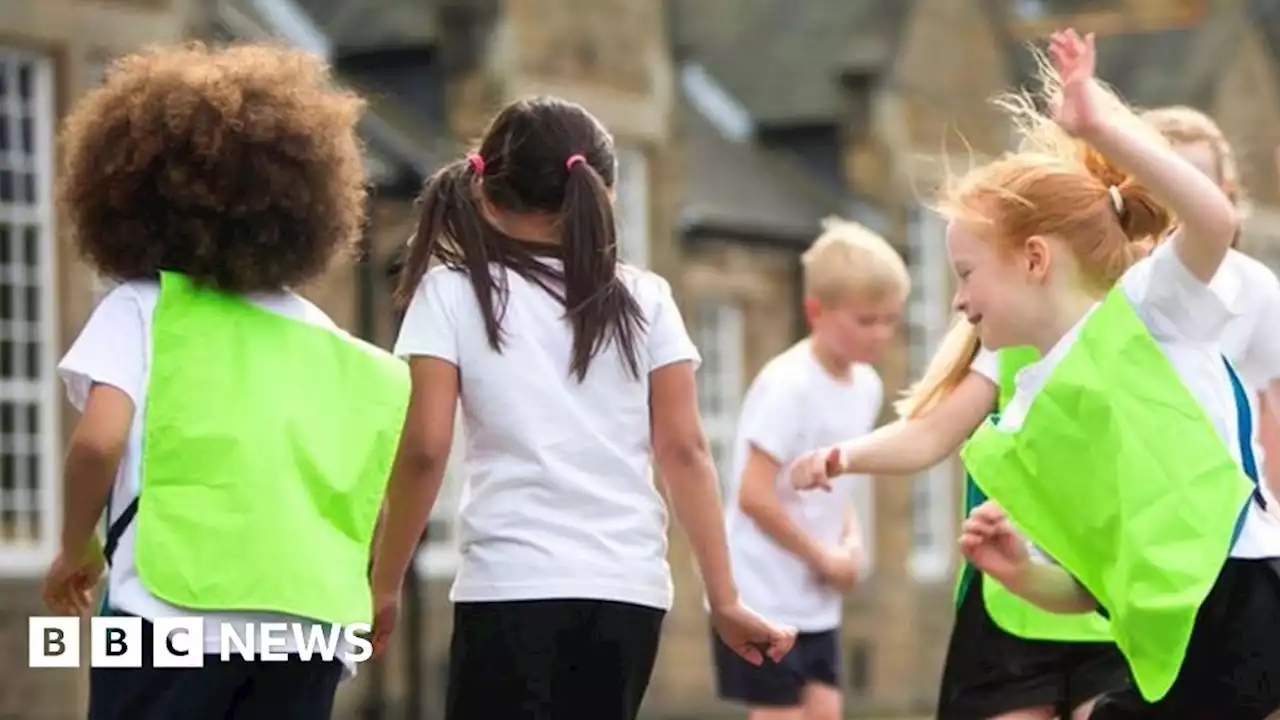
(814, 659)
(990, 672)
(232, 690)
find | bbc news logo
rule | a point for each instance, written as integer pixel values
(54, 642)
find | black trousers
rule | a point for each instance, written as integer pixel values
(990, 672)
(550, 660)
(233, 690)
(1232, 667)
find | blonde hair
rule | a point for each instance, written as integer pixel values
(947, 368)
(849, 260)
(1053, 184)
(1183, 125)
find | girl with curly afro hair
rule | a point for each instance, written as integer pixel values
(238, 441)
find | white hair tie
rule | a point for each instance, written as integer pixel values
(1117, 200)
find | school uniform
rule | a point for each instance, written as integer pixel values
(992, 669)
(1137, 419)
(792, 406)
(198, 467)
(564, 581)
(1251, 292)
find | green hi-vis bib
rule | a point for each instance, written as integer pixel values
(1008, 611)
(266, 453)
(1118, 474)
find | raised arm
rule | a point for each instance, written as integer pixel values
(1208, 221)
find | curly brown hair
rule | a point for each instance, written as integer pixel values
(239, 167)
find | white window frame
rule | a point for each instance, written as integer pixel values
(631, 185)
(932, 495)
(440, 557)
(17, 558)
(719, 332)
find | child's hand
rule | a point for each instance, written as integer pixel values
(68, 587)
(1079, 110)
(993, 545)
(386, 615)
(750, 635)
(841, 568)
(816, 469)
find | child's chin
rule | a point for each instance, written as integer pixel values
(990, 340)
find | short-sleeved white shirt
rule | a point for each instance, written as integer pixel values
(1188, 320)
(795, 405)
(114, 348)
(1252, 293)
(559, 499)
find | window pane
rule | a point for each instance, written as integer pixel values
(26, 378)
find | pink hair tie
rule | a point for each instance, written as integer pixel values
(477, 163)
(573, 160)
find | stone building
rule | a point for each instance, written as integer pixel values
(739, 123)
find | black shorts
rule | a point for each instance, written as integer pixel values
(550, 660)
(1232, 667)
(232, 690)
(814, 659)
(990, 672)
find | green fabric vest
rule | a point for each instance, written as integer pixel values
(1118, 474)
(1008, 611)
(266, 453)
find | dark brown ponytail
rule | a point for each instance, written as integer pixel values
(524, 165)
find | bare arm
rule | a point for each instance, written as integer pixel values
(1000, 551)
(1052, 588)
(909, 446)
(1208, 221)
(1269, 435)
(418, 471)
(852, 529)
(93, 458)
(689, 474)
(758, 500)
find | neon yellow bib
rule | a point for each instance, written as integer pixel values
(1010, 612)
(267, 449)
(1118, 474)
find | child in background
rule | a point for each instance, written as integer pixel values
(579, 377)
(795, 555)
(1126, 452)
(210, 183)
(1249, 288)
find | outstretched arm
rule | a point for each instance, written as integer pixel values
(911, 445)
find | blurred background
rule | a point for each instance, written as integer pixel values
(739, 124)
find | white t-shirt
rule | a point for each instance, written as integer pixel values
(114, 348)
(1252, 293)
(559, 499)
(1188, 320)
(795, 405)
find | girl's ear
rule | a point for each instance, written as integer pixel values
(1037, 256)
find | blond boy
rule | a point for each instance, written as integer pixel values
(796, 555)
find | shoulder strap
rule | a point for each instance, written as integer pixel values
(1244, 427)
(115, 531)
